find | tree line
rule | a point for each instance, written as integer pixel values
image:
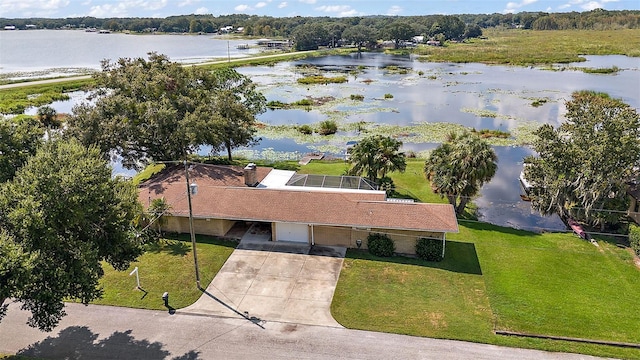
(268, 26)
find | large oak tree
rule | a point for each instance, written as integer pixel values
(158, 110)
(60, 216)
(582, 166)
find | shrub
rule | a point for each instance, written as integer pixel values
(275, 104)
(429, 249)
(420, 72)
(388, 96)
(303, 102)
(380, 245)
(328, 127)
(305, 129)
(634, 238)
(357, 97)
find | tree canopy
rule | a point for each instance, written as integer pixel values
(582, 166)
(60, 216)
(376, 156)
(361, 36)
(158, 110)
(459, 167)
(19, 139)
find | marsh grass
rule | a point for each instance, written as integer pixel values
(320, 79)
(17, 100)
(528, 47)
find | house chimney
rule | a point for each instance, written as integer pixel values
(250, 175)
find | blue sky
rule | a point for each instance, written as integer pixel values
(285, 8)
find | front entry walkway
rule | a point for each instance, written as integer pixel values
(275, 281)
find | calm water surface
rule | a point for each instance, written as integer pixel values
(453, 93)
(64, 51)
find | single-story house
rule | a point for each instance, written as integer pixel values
(313, 209)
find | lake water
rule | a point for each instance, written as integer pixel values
(52, 52)
(472, 95)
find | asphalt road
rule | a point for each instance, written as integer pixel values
(104, 332)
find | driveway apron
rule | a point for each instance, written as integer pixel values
(275, 281)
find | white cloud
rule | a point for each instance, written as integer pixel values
(282, 5)
(338, 10)
(242, 7)
(514, 6)
(586, 5)
(394, 10)
(31, 7)
(261, 4)
(202, 11)
(187, 3)
(308, 1)
(122, 8)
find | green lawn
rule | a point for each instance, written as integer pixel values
(494, 277)
(167, 266)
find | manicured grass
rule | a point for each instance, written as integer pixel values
(493, 278)
(526, 47)
(409, 296)
(166, 266)
(499, 278)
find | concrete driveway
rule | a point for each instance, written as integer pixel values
(275, 281)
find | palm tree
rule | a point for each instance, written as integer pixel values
(376, 156)
(459, 167)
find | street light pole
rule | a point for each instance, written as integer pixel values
(193, 236)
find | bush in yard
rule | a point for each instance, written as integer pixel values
(380, 245)
(328, 127)
(634, 238)
(429, 249)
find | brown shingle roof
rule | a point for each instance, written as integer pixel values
(298, 206)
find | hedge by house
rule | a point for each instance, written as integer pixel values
(429, 249)
(380, 245)
(634, 238)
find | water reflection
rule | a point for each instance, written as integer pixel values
(473, 95)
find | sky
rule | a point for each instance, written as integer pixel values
(288, 8)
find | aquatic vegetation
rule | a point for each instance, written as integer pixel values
(388, 96)
(327, 127)
(356, 97)
(268, 154)
(489, 133)
(320, 79)
(539, 102)
(481, 112)
(305, 129)
(611, 70)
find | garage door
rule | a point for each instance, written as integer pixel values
(292, 232)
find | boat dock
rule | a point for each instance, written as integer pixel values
(312, 156)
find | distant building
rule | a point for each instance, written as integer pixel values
(9, 27)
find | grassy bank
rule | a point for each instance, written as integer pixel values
(166, 266)
(16, 100)
(528, 47)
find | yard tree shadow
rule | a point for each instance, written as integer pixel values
(459, 257)
(78, 342)
(171, 247)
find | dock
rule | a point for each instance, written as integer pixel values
(312, 156)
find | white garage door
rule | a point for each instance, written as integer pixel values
(292, 232)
